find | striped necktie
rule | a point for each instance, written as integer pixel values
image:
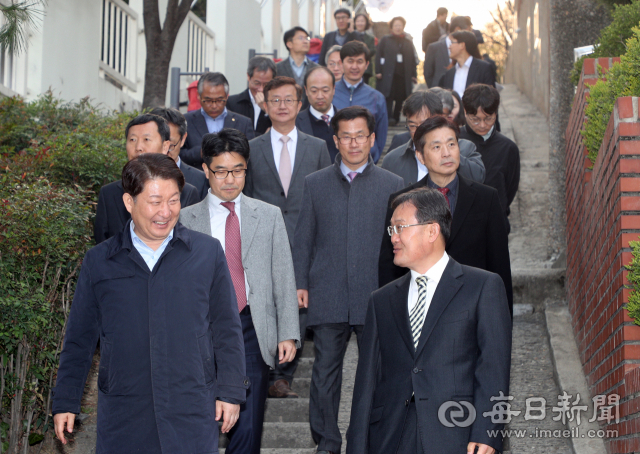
(416, 317)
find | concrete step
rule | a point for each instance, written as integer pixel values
(287, 410)
(307, 350)
(534, 285)
(301, 386)
(304, 369)
(278, 435)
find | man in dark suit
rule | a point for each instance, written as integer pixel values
(403, 160)
(178, 127)
(478, 232)
(438, 338)
(334, 259)
(250, 102)
(339, 37)
(146, 133)
(296, 66)
(280, 161)
(213, 116)
(319, 84)
(436, 58)
(469, 68)
(436, 29)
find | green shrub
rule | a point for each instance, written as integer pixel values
(623, 79)
(633, 306)
(611, 42)
(45, 231)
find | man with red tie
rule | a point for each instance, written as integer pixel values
(256, 245)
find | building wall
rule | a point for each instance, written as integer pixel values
(529, 58)
(603, 215)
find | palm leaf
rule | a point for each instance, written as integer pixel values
(19, 18)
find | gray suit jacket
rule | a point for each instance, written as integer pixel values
(436, 61)
(263, 182)
(284, 68)
(402, 162)
(266, 258)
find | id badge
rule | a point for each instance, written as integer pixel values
(399, 58)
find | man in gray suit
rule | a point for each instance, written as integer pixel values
(335, 255)
(280, 161)
(213, 116)
(255, 241)
(403, 160)
(296, 66)
(436, 58)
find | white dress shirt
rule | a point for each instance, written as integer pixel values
(318, 114)
(422, 169)
(276, 144)
(256, 110)
(448, 41)
(218, 216)
(434, 275)
(460, 79)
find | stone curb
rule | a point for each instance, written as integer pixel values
(569, 374)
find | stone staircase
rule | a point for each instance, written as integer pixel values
(286, 421)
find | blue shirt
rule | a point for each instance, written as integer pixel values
(214, 125)
(298, 70)
(345, 170)
(372, 99)
(453, 191)
(149, 255)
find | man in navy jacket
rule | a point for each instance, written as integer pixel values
(161, 301)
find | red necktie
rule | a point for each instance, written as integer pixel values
(445, 193)
(233, 251)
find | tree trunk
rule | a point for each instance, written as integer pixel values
(160, 41)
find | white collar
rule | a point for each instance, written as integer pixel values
(293, 135)
(318, 114)
(435, 272)
(215, 202)
(467, 63)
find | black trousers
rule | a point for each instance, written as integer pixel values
(287, 370)
(398, 94)
(245, 436)
(330, 344)
(410, 441)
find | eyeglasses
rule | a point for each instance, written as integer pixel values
(287, 101)
(333, 64)
(303, 38)
(397, 229)
(358, 139)
(223, 174)
(412, 127)
(209, 102)
(475, 121)
(455, 42)
(172, 146)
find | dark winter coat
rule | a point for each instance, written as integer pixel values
(386, 60)
(170, 345)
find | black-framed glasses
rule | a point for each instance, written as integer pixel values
(172, 146)
(359, 139)
(223, 174)
(287, 101)
(397, 229)
(209, 102)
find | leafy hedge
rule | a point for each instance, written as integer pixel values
(54, 157)
(612, 40)
(623, 79)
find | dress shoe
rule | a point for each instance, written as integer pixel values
(324, 452)
(281, 389)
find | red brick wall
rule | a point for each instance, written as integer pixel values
(603, 215)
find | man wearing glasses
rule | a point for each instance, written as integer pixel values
(335, 253)
(178, 127)
(213, 116)
(478, 231)
(298, 42)
(255, 242)
(500, 154)
(280, 161)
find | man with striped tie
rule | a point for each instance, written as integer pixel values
(436, 346)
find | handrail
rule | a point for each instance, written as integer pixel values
(119, 41)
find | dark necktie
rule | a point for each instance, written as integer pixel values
(445, 193)
(416, 316)
(326, 119)
(233, 252)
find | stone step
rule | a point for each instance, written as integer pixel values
(278, 435)
(307, 350)
(301, 386)
(287, 410)
(304, 369)
(534, 285)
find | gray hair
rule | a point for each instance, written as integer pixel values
(214, 79)
(331, 50)
(431, 206)
(445, 96)
(261, 64)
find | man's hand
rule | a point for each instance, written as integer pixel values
(482, 449)
(303, 298)
(229, 414)
(287, 351)
(414, 80)
(378, 76)
(62, 420)
(259, 97)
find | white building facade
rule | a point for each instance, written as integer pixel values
(96, 48)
